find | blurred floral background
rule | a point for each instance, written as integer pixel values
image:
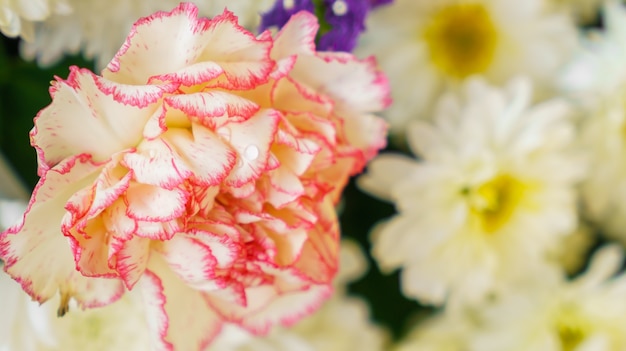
(494, 218)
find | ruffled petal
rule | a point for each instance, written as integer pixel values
(153, 204)
(252, 140)
(180, 47)
(91, 115)
(35, 251)
(178, 316)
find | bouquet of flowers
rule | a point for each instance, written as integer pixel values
(313, 175)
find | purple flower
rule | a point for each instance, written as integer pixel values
(347, 21)
(282, 11)
(341, 25)
(376, 3)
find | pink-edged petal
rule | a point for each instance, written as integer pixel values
(288, 244)
(94, 292)
(366, 132)
(314, 127)
(281, 310)
(91, 252)
(179, 46)
(119, 226)
(289, 298)
(192, 261)
(204, 153)
(35, 251)
(212, 109)
(91, 201)
(318, 258)
(297, 36)
(202, 200)
(161, 43)
(284, 187)
(252, 140)
(295, 152)
(355, 85)
(153, 204)
(290, 95)
(178, 316)
(131, 261)
(164, 230)
(156, 163)
(91, 115)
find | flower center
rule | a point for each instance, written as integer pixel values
(493, 202)
(461, 39)
(571, 327)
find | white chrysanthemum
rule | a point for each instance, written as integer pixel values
(98, 28)
(597, 78)
(342, 324)
(27, 326)
(494, 190)
(428, 47)
(443, 332)
(587, 314)
(17, 16)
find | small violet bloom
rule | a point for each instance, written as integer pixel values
(346, 19)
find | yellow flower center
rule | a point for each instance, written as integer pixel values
(494, 202)
(461, 39)
(571, 327)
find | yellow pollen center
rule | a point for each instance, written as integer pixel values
(461, 39)
(571, 328)
(494, 202)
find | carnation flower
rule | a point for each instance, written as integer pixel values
(597, 80)
(96, 28)
(202, 168)
(17, 16)
(345, 19)
(557, 315)
(493, 192)
(430, 47)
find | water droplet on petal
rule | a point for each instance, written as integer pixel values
(289, 4)
(251, 152)
(239, 162)
(340, 7)
(152, 154)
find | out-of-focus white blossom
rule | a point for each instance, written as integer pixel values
(17, 16)
(443, 332)
(429, 47)
(586, 314)
(28, 326)
(493, 192)
(597, 79)
(98, 28)
(548, 313)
